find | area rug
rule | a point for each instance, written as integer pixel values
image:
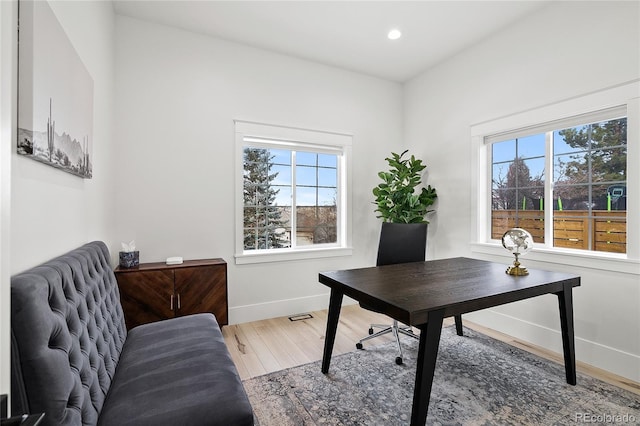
(478, 381)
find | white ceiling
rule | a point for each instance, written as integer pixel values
(346, 34)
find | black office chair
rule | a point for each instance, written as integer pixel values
(400, 243)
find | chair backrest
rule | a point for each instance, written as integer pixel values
(402, 243)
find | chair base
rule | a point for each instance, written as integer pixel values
(397, 330)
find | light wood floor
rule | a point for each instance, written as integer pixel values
(262, 347)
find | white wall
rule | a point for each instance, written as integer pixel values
(565, 50)
(52, 211)
(7, 115)
(177, 96)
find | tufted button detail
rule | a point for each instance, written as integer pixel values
(84, 325)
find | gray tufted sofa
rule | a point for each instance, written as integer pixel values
(73, 359)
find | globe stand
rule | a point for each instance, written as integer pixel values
(516, 269)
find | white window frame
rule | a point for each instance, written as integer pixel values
(622, 97)
(247, 132)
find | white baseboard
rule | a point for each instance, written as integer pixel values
(281, 308)
(601, 356)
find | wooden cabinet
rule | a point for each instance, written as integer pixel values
(156, 291)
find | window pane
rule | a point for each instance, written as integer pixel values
(316, 225)
(264, 229)
(280, 156)
(590, 190)
(571, 197)
(306, 196)
(281, 175)
(609, 164)
(283, 195)
(571, 169)
(524, 209)
(306, 158)
(327, 196)
(531, 146)
(499, 175)
(617, 197)
(327, 177)
(569, 140)
(599, 197)
(503, 151)
(306, 176)
(316, 193)
(265, 183)
(571, 229)
(533, 172)
(501, 199)
(518, 186)
(609, 133)
(531, 198)
(328, 160)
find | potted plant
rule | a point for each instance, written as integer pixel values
(403, 236)
(396, 196)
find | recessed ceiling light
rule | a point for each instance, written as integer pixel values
(394, 34)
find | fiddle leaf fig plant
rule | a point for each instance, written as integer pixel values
(396, 196)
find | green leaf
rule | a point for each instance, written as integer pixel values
(396, 197)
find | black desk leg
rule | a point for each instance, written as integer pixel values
(335, 302)
(565, 302)
(458, 319)
(426, 365)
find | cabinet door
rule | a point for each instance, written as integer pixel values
(202, 289)
(146, 296)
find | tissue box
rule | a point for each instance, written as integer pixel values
(129, 259)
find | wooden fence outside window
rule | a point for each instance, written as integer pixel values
(598, 230)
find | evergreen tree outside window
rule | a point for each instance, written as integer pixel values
(264, 226)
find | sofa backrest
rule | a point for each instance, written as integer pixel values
(68, 330)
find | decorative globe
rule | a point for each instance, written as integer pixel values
(519, 242)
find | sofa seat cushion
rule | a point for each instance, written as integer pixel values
(176, 372)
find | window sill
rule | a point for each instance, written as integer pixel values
(287, 255)
(591, 260)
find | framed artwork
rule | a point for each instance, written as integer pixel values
(55, 94)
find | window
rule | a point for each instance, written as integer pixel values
(294, 193)
(290, 198)
(588, 174)
(567, 172)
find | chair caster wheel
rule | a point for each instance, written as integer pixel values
(358, 345)
(370, 331)
(399, 360)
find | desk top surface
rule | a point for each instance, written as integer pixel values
(409, 291)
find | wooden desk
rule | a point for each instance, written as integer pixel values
(422, 294)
